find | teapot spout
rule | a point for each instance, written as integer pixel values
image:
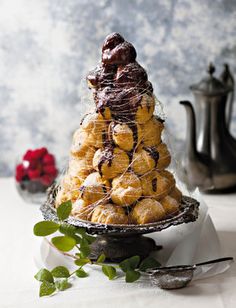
(191, 130)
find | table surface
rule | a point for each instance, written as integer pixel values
(17, 268)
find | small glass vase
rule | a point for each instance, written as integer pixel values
(35, 172)
(32, 191)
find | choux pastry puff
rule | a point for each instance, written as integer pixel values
(91, 132)
(152, 130)
(109, 214)
(164, 158)
(81, 210)
(110, 162)
(170, 205)
(144, 159)
(94, 188)
(126, 136)
(176, 194)
(146, 109)
(126, 189)
(155, 185)
(147, 211)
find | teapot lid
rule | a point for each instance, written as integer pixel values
(210, 85)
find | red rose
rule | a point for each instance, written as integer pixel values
(28, 155)
(20, 172)
(50, 170)
(48, 159)
(39, 153)
(34, 174)
(33, 163)
(38, 165)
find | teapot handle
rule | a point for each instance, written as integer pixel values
(229, 108)
(228, 80)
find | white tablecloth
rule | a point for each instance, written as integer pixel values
(19, 289)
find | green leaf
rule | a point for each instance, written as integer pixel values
(132, 276)
(101, 258)
(109, 271)
(44, 275)
(81, 273)
(64, 210)
(81, 231)
(70, 231)
(62, 284)
(44, 228)
(84, 242)
(60, 272)
(148, 263)
(84, 249)
(90, 239)
(81, 262)
(64, 243)
(46, 288)
(67, 229)
(130, 263)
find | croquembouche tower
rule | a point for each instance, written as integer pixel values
(117, 169)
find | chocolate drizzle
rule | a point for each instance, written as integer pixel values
(106, 157)
(104, 188)
(154, 184)
(131, 75)
(134, 128)
(119, 81)
(82, 189)
(152, 151)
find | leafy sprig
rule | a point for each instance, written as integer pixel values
(58, 279)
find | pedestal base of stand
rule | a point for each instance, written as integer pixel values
(119, 247)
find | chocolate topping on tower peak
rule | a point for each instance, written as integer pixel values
(119, 81)
(112, 40)
(130, 75)
(123, 53)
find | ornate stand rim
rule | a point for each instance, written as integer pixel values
(188, 213)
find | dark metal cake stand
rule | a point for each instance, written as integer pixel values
(119, 242)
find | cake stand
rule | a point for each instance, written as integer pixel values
(119, 242)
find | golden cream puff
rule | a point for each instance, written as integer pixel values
(169, 176)
(155, 185)
(92, 132)
(79, 168)
(152, 130)
(66, 195)
(145, 109)
(126, 189)
(107, 113)
(127, 136)
(86, 152)
(94, 188)
(147, 211)
(176, 194)
(144, 160)
(164, 157)
(110, 162)
(109, 214)
(170, 205)
(81, 210)
(72, 182)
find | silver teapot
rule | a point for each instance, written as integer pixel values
(210, 158)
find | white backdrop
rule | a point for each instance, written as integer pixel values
(48, 46)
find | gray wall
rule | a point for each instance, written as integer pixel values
(48, 46)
